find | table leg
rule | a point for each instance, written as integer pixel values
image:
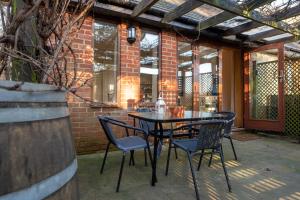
(154, 178)
(134, 133)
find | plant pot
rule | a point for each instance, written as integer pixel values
(37, 155)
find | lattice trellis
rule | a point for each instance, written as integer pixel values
(187, 98)
(180, 85)
(265, 91)
(206, 84)
(208, 87)
(292, 97)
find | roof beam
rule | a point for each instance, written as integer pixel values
(117, 11)
(264, 34)
(142, 7)
(291, 12)
(217, 19)
(252, 4)
(232, 7)
(285, 40)
(125, 13)
(241, 28)
(181, 10)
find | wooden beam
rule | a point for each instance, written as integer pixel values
(291, 12)
(285, 40)
(142, 7)
(232, 7)
(151, 20)
(212, 21)
(264, 34)
(117, 11)
(181, 10)
(241, 28)
(252, 4)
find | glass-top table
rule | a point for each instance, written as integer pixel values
(167, 117)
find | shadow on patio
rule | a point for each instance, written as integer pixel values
(267, 169)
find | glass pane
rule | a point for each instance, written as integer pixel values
(105, 62)
(263, 80)
(208, 79)
(149, 47)
(185, 75)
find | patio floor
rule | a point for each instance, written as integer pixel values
(267, 168)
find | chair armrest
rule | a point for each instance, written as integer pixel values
(112, 119)
(127, 127)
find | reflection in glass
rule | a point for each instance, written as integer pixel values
(208, 79)
(185, 75)
(263, 80)
(149, 47)
(105, 62)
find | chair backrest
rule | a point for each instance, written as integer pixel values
(210, 134)
(230, 117)
(146, 126)
(104, 121)
(143, 110)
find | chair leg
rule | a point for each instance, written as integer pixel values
(121, 172)
(168, 158)
(145, 154)
(104, 159)
(131, 161)
(225, 171)
(193, 174)
(200, 160)
(235, 157)
(211, 157)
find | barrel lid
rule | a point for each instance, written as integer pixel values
(30, 92)
(28, 87)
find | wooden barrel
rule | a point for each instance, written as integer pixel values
(37, 155)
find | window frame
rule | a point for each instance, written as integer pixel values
(158, 32)
(118, 70)
(178, 40)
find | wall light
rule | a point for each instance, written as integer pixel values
(131, 34)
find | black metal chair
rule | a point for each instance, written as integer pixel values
(125, 144)
(230, 117)
(209, 137)
(149, 127)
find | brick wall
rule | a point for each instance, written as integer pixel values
(168, 79)
(86, 129)
(129, 68)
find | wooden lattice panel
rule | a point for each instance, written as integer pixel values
(206, 84)
(208, 91)
(265, 91)
(187, 100)
(292, 97)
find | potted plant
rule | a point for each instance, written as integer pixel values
(38, 67)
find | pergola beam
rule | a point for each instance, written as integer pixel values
(142, 7)
(181, 10)
(285, 40)
(264, 34)
(252, 4)
(233, 8)
(241, 28)
(217, 19)
(291, 12)
(126, 13)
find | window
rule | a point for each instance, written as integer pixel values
(149, 61)
(185, 75)
(105, 62)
